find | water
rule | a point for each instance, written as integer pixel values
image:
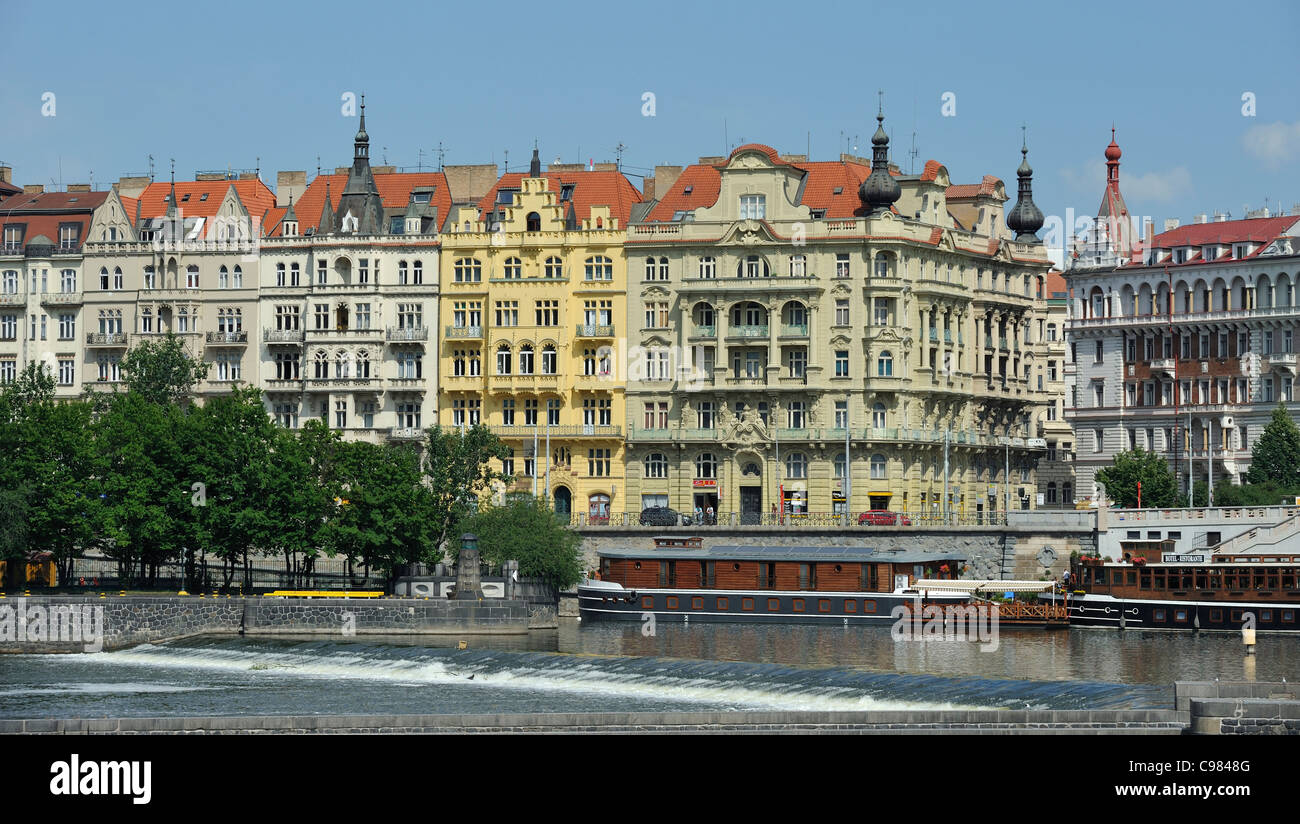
(612, 667)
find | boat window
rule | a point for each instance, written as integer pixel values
(747, 604)
(723, 605)
(672, 602)
(1266, 616)
(798, 605)
(647, 602)
(1216, 616)
(823, 605)
(850, 606)
(868, 605)
(1158, 615)
(773, 604)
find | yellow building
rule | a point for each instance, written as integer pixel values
(533, 300)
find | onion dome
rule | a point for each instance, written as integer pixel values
(1026, 218)
(879, 191)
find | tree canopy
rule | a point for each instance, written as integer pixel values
(1121, 478)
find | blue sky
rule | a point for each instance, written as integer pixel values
(217, 86)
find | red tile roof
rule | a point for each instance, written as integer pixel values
(394, 190)
(986, 187)
(1257, 230)
(254, 194)
(931, 171)
(611, 189)
(1056, 286)
(34, 210)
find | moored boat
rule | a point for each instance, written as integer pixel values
(1154, 588)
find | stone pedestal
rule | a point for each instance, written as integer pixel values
(468, 585)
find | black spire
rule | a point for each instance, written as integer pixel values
(880, 190)
(1026, 218)
(171, 200)
(535, 165)
(361, 144)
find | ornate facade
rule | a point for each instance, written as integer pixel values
(533, 304)
(780, 306)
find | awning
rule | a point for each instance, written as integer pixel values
(983, 586)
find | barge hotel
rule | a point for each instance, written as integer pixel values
(1182, 345)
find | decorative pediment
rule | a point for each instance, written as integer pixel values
(841, 289)
(655, 292)
(748, 233)
(841, 340)
(656, 340)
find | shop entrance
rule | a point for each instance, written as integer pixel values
(751, 504)
(706, 502)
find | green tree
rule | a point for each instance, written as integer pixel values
(382, 517)
(459, 475)
(526, 530)
(300, 496)
(1159, 489)
(1276, 455)
(162, 371)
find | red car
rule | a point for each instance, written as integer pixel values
(883, 517)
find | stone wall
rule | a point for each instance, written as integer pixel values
(125, 621)
(1240, 707)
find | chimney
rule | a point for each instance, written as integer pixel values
(1171, 223)
(471, 182)
(248, 176)
(33, 188)
(648, 188)
(666, 177)
(6, 174)
(1220, 217)
(205, 177)
(132, 186)
(289, 186)
(713, 160)
(78, 187)
(1202, 218)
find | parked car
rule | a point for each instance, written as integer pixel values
(883, 517)
(662, 516)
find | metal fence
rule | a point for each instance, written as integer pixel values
(728, 520)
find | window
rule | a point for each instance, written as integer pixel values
(548, 359)
(656, 465)
(842, 312)
(598, 267)
(507, 313)
(882, 311)
(598, 463)
(1098, 358)
(841, 363)
(841, 414)
(753, 207)
(656, 415)
(553, 415)
(513, 269)
(409, 365)
(796, 465)
(656, 315)
(67, 371)
(67, 326)
(708, 268)
(467, 270)
(798, 412)
(706, 466)
(1098, 440)
(842, 269)
(798, 362)
(554, 268)
(798, 266)
(547, 312)
(878, 416)
(885, 365)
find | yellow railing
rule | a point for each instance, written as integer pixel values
(321, 593)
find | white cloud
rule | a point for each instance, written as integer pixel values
(1275, 143)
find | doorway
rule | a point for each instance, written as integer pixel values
(563, 502)
(751, 504)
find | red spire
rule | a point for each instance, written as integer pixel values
(1112, 151)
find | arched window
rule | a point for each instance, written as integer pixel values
(753, 266)
(885, 364)
(322, 365)
(878, 417)
(649, 268)
(879, 468)
(417, 272)
(534, 222)
(656, 465)
(342, 364)
(223, 278)
(513, 269)
(548, 359)
(706, 465)
(883, 268)
(839, 464)
(599, 267)
(150, 278)
(503, 359)
(402, 273)
(237, 278)
(554, 267)
(191, 277)
(363, 364)
(796, 465)
(468, 270)
(103, 278)
(663, 268)
(598, 507)
(526, 359)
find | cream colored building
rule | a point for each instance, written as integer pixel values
(777, 305)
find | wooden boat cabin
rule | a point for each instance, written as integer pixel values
(1153, 587)
(680, 578)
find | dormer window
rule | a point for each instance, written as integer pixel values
(534, 222)
(688, 190)
(395, 225)
(506, 196)
(186, 198)
(566, 192)
(202, 197)
(1241, 250)
(420, 197)
(1180, 256)
(1210, 253)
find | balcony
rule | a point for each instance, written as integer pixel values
(282, 335)
(347, 333)
(343, 383)
(593, 330)
(704, 331)
(453, 332)
(1284, 362)
(237, 338)
(61, 299)
(283, 384)
(106, 339)
(406, 384)
(794, 330)
(750, 331)
(13, 299)
(408, 334)
(747, 381)
(557, 431)
(406, 433)
(1163, 366)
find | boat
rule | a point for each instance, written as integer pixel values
(1152, 587)
(681, 580)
